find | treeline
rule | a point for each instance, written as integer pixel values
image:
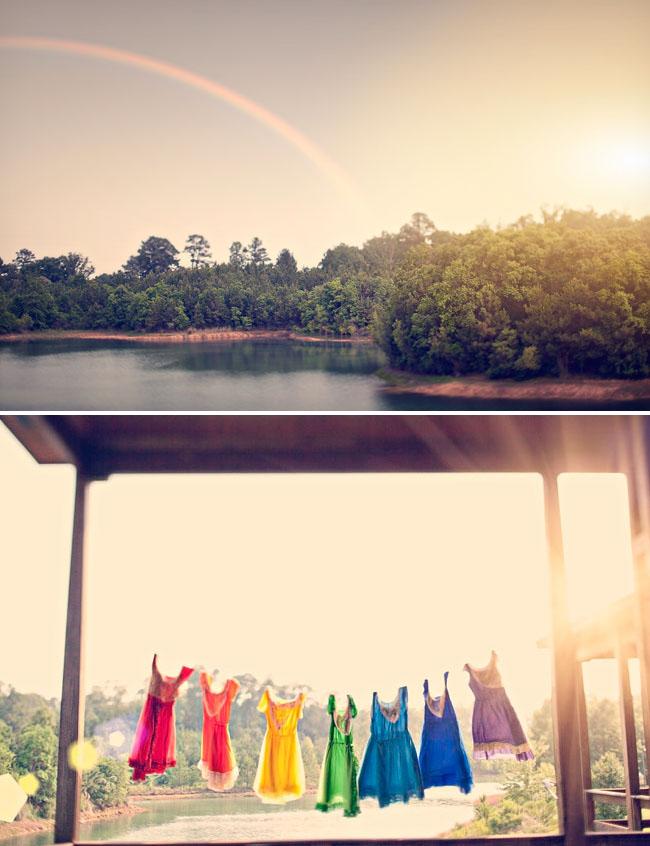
(567, 295)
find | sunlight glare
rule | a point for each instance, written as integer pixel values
(82, 756)
(597, 540)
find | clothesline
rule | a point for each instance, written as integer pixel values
(391, 769)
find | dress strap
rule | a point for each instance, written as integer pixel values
(425, 688)
(445, 676)
(184, 675)
(353, 706)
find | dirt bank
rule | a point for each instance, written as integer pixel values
(477, 387)
(27, 826)
(193, 336)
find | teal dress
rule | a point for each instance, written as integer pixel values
(337, 787)
(390, 771)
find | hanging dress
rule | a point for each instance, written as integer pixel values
(496, 729)
(337, 786)
(154, 744)
(390, 771)
(280, 771)
(443, 759)
(217, 764)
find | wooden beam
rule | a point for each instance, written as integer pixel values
(566, 729)
(630, 760)
(585, 755)
(40, 439)
(71, 730)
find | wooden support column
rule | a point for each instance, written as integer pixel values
(630, 760)
(566, 727)
(639, 490)
(68, 786)
(585, 754)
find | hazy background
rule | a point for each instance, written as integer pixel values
(342, 582)
(469, 110)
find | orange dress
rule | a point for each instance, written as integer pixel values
(217, 763)
(280, 772)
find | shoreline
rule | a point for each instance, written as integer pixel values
(542, 388)
(178, 337)
(22, 828)
(25, 827)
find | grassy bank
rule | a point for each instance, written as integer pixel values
(547, 388)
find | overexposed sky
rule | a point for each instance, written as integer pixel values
(351, 583)
(468, 110)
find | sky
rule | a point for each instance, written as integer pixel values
(469, 110)
(345, 583)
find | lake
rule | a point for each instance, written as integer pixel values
(256, 375)
(232, 817)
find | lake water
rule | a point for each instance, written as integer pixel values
(246, 818)
(74, 375)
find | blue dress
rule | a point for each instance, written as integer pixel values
(443, 759)
(390, 771)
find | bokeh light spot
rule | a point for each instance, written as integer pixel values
(82, 756)
(29, 783)
(12, 798)
(116, 739)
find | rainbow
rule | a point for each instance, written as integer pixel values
(333, 172)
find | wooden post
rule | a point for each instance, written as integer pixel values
(639, 489)
(630, 760)
(585, 754)
(566, 728)
(71, 730)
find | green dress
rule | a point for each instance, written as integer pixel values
(337, 787)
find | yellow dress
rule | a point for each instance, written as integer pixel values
(280, 771)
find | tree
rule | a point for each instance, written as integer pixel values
(608, 772)
(166, 309)
(420, 230)
(198, 250)
(238, 255)
(34, 301)
(24, 258)
(258, 254)
(106, 784)
(6, 752)
(156, 255)
(342, 261)
(36, 754)
(286, 268)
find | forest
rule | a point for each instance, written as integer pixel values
(28, 744)
(567, 295)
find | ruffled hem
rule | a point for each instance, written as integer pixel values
(141, 771)
(218, 781)
(463, 786)
(394, 797)
(333, 806)
(278, 798)
(502, 749)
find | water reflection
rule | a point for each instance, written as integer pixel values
(222, 376)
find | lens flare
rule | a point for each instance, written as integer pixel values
(29, 783)
(82, 756)
(116, 739)
(12, 798)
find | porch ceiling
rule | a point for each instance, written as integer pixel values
(100, 445)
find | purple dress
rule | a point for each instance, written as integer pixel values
(496, 729)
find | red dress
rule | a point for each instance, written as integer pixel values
(217, 763)
(154, 744)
